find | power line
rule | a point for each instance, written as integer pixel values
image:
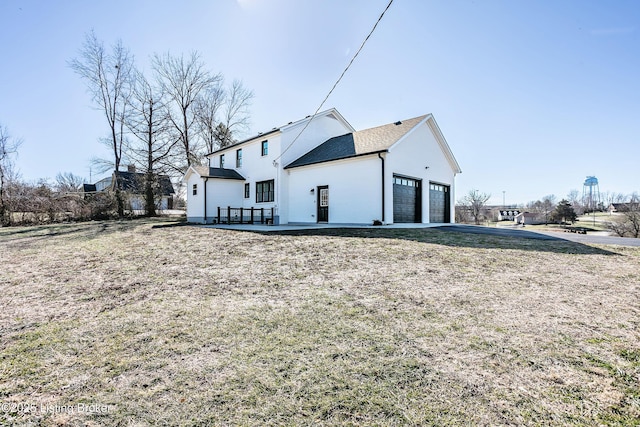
(335, 84)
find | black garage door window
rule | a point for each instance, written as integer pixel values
(439, 203)
(407, 200)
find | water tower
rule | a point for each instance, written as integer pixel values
(591, 194)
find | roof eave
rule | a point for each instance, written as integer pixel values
(336, 159)
(331, 110)
(435, 129)
(224, 177)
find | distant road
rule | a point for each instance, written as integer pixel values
(592, 238)
(542, 235)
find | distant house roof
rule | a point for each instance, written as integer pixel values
(369, 141)
(133, 182)
(532, 215)
(623, 207)
(208, 172)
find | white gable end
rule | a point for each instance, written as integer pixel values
(324, 126)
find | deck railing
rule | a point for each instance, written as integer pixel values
(250, 215)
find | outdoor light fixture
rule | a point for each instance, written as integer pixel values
(313, 190)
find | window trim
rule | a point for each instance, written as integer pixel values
(265, 148)
(221, 161)
(270, 191)
(247, 190)
(194, 190)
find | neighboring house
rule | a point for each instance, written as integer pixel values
(530, 218)
(132, 184)
(508, 214)
(620, 207)
(400, 172)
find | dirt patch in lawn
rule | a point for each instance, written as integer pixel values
(189, 325)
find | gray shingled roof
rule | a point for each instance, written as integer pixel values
(208, 172)
(368, 141)
(134, 182)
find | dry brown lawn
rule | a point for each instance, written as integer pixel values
(121, 323)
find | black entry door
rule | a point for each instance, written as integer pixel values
(323, 203)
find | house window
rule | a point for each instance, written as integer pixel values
(264, 191)
(247, 191)
(195, 189)
(265, 148)
(239, 158)
(222, 161)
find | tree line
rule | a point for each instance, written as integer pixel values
(162, 122)
(472, 207)
(165, 122)
(40, 202)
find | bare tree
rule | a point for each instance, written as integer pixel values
(222, 114)
(548, 206)
(152, 146)
(575, 200)
(184, 80)
(544, 206)
(475, 202)
(237, 105)
(108, 78)
(67, 182)
(8, 149)
(207, 111)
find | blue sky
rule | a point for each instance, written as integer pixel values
(531, 96)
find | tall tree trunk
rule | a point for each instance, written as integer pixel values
(150, 205)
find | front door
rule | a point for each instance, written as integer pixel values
(323, 203)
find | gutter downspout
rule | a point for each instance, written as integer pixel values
(205, 199)
(382, 158)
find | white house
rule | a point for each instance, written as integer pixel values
(399, 172)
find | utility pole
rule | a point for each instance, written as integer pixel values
(503, 199)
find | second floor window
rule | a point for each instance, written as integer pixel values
(239, 158)
(222, 161)
(247, 191)
(195, 189)
(264, 191)
(265, 148)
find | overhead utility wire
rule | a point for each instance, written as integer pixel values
(335, 84)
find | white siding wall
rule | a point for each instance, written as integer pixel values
(195, 204)
(319, 130)
(255, 168)
(410, 158)
(223, 193)
(220, 192)
(354, 190)
(137, 202)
